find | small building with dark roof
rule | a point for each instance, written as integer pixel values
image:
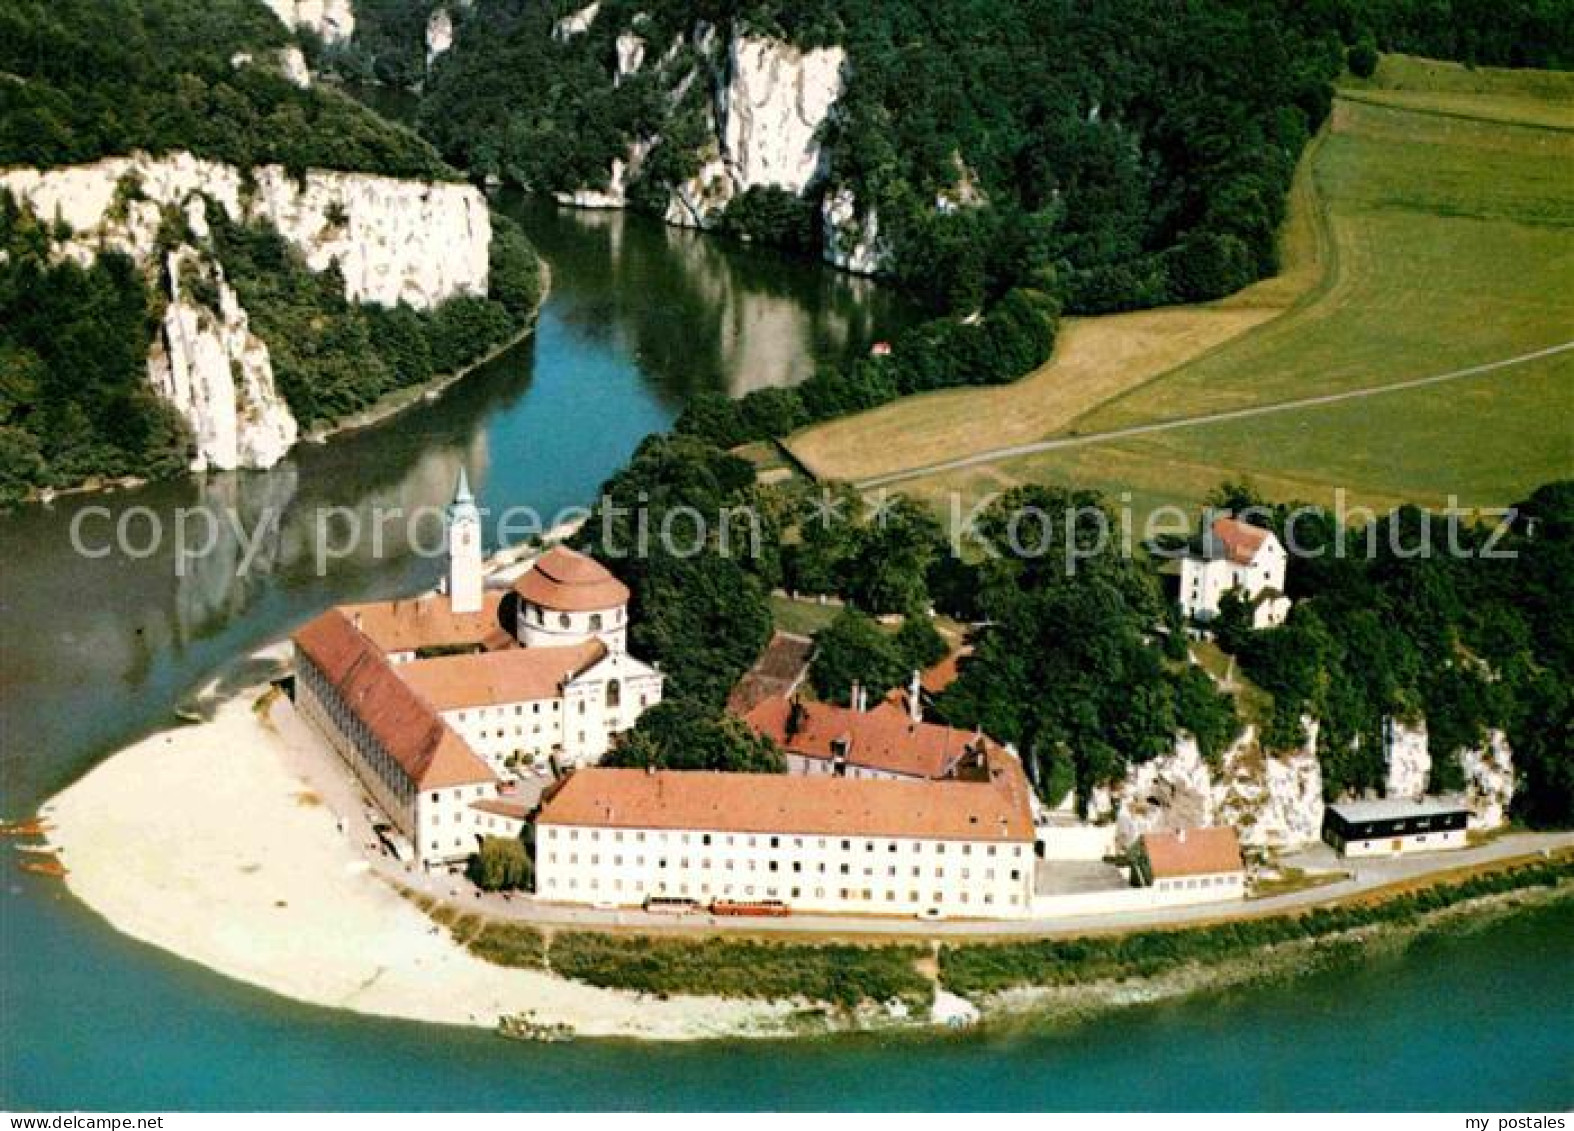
(1393, 826)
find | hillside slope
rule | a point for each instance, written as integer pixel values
(1450, 230)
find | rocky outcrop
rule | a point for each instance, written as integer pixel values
(392, 241)
(766, 104)
(439, 34)
(1274, 799)
(851, 239)
(1488, 771)
(293, 63)
(576, 22)
(631, 56)
(331, 20)
(615, 194)
(1409, 762)
(776, 101)
(208, 364)
(768, 113)
(1490, 780)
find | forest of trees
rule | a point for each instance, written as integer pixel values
(101, 77)
(1127, 152)
(1086, 671)
(74, 396)
(332, 357)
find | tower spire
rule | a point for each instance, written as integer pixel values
(465, 581)
(462, 495)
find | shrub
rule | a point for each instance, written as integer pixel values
(500, 864)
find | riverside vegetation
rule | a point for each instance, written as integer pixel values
(846, 976)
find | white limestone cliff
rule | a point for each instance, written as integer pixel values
(1409, 762)
(631, 56)
(293, 63)
(392, 240)
(851, 239)
(332, 20)
(210, 366)
(1490, 781)
(775, 102)
(1274, 800)
(768, 111)
(576, 22)
(439, 34)
(768, 103)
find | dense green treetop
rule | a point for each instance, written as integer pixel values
(86, 79)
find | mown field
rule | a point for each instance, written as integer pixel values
(1432, 229)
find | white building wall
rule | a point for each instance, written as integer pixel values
(547, 628)
(1077, 842)
(1434, 841)
(527, 731)
(811, 873)
(1205, 580)
(823, 767)
(1229, 886)
(447, 829)
(438, 823)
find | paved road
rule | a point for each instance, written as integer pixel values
(331, 779)
(1366, 875)
(1207, 418)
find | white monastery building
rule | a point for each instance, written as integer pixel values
(1240, 557)
(1190, 865)
(436, 701)
(1391, 826)
(959, 848)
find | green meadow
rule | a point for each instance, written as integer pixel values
(1447, 199)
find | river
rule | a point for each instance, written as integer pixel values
(97, 651)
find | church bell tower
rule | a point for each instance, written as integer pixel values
(464, 550)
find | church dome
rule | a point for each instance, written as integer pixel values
(565, 580)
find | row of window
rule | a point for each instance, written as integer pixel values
(336, 717)
(1198, 882)
(774, 866)
(553, 832)
(749, 891)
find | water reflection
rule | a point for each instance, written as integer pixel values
(640, 318)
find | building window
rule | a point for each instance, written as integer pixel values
(614, 693)
(595, 622)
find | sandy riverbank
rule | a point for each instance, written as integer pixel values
(214, 841)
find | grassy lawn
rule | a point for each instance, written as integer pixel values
(1432, 228)
(804, 618)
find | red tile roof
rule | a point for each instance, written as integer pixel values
(429, 753)
(430, 622)
(1192, 852)
(568, 581)
(778, 671)
(881, 738)
(994, 810)
(502, 807)
(483, 680)
(1239, 540)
